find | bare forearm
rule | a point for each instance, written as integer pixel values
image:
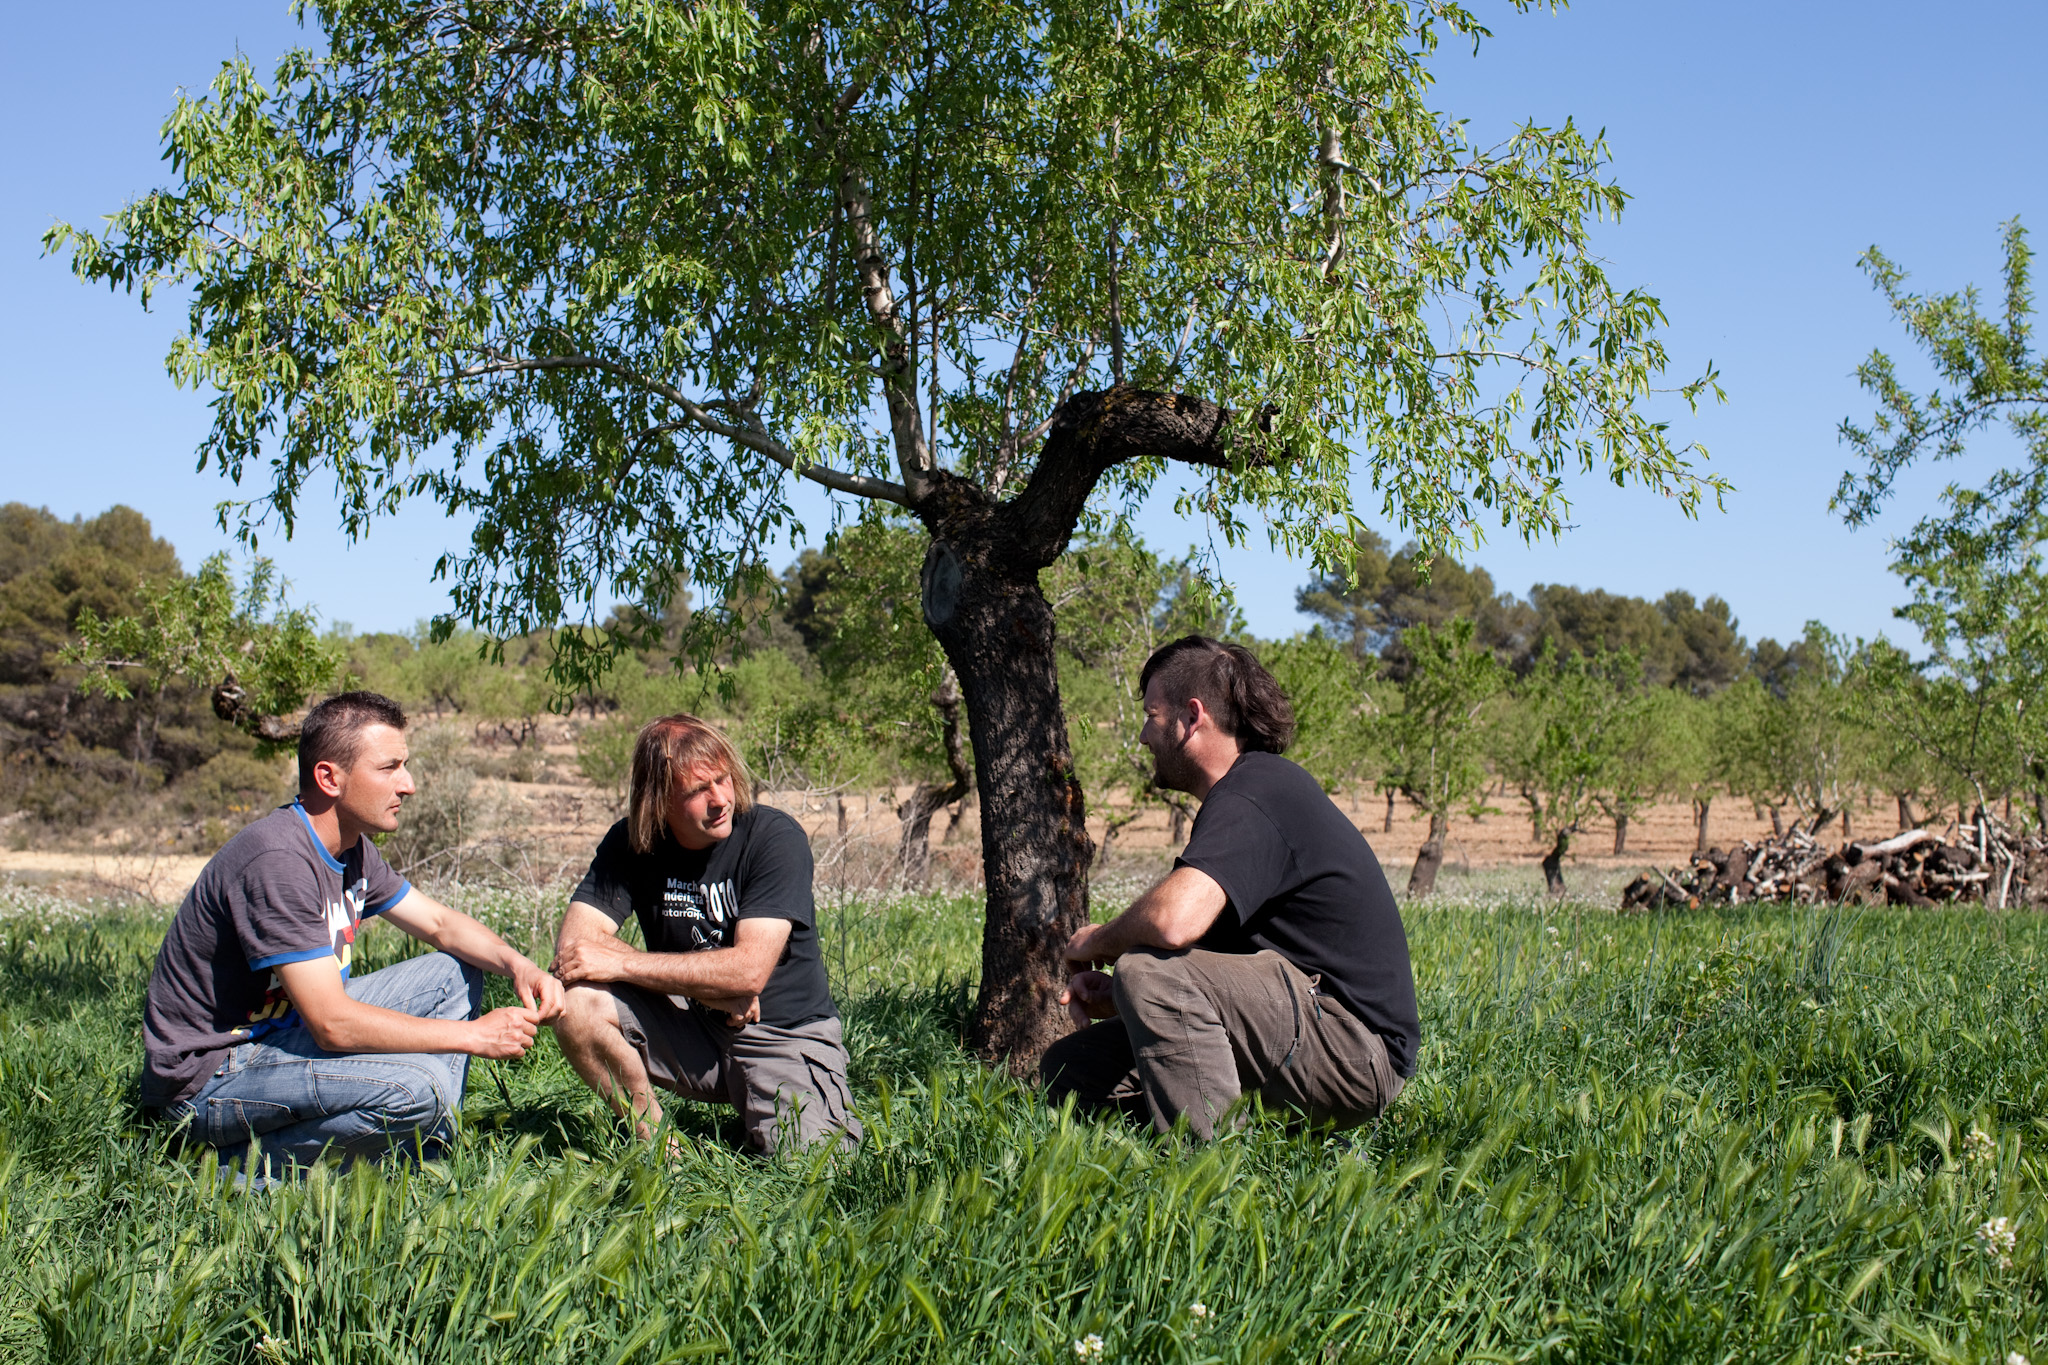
(473, 943)
(726, 973)
(356, 1027)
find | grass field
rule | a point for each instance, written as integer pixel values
(1736, 1135)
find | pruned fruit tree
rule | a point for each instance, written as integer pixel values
(613, 278)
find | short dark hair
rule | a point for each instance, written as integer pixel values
(1233, 686)
(333, 730)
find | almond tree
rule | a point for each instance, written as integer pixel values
(1434, 744)
(614, 277)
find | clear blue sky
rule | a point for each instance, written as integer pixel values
(1764, 145)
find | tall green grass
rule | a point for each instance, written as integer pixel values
(1742, 1134)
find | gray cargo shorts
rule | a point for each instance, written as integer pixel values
(784, 1081)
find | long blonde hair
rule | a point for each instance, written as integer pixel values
(671, 750)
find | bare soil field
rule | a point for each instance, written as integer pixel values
(544, 831)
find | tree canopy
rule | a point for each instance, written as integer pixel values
(613, 278)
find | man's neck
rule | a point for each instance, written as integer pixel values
(1213, 765)
(325, 818)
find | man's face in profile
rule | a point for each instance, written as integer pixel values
(1168, 727)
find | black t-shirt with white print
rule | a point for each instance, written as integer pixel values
(691, 900)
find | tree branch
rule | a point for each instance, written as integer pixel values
(859, 485)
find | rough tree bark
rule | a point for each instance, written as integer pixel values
(982, 601)
(1906, 817)
(1700, 807)
(1620, 833)
(1388, 826)
(231, 704)
(1429, 858)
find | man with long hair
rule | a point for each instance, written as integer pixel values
(728, 1003)
(1271, 961)
(257, 1036)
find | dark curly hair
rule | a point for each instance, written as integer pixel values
(1233, 686)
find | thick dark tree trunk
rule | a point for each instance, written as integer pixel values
(1553, 864)
(1429, 858)
(1620, 833)
(1700, 807)
(1777, 823)
(1388, 827)
(1178, 835)
(982, 602)
(1907, 820)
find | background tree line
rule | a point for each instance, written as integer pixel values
(1571, 705)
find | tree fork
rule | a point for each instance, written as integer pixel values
(982, 602)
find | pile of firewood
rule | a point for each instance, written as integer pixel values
(1984, 861)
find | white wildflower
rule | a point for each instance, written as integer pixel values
(1088, 1347)
(1199, 1311)
(1996, 1238)
(1551, 929)
(2015, 1358)
(273, 1348)
(1978, 1146)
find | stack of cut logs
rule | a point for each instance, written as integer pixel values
(1984, 861)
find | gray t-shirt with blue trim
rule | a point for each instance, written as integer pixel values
(273, 895)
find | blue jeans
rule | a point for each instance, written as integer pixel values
(292, 1100)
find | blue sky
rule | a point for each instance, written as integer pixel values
(1765, 147)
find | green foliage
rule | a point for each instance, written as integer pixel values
(1384, 594)
(1558, 744)
(1801, 745)
(612, 301)
(202, 630)
(1642, 1138)
(1435, 743)
(51, 571)
(1991, 375)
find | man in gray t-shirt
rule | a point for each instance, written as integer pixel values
(256, 1035)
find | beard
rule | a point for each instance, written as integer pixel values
(1174, 770)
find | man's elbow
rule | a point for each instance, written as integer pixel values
(329, 1033)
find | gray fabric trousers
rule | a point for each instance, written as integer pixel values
(1195, 1031)
(786, 1082)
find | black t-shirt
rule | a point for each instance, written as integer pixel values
(690, 900)
(1302, 881)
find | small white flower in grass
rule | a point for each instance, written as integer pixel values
(2015, 1358)
(1978, 1146)
(1551, 929)
(1088, 1347)
(1996, 1238)
(1199, 1311)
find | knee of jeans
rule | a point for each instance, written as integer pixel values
(422, 1103)
(472, 985)
(1141, 972)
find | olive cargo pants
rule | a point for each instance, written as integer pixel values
(1197, 1030)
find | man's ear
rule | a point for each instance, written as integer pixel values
(327, 778)
(1197, 713)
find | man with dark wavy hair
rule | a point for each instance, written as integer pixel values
(1271, 960)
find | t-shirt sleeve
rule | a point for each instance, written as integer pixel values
(607, 886)
(277, 913)
(775, 879)
(385, 888)
(1237, 845)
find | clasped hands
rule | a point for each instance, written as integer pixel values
(602, 959)
(1088, 995)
